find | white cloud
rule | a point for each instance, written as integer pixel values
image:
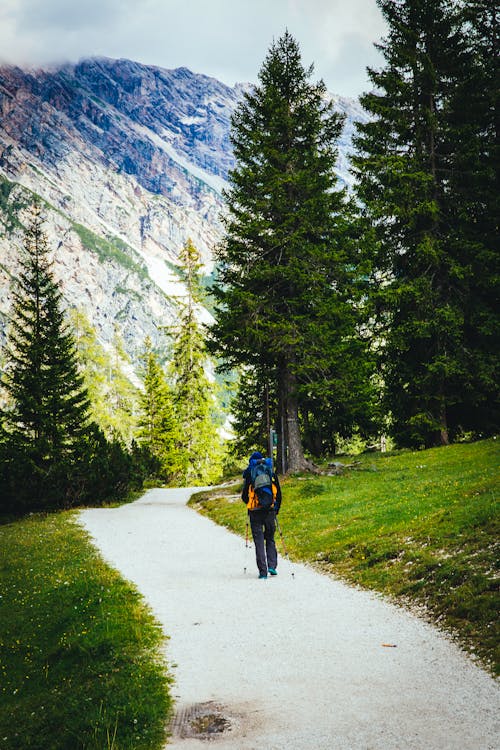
(224, 38)
(61, 15)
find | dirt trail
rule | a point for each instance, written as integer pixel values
(291, 663)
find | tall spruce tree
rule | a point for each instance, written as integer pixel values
(45, 421)
(288, 262)
(199, 448)
(474, 189)
(405, 165)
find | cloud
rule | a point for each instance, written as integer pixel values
(227, 39)
(54, 16)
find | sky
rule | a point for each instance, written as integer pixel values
(226, 39)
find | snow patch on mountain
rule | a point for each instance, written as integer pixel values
(213, 181)
(131, 160)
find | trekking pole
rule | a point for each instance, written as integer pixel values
(283, 543)
(246, 546)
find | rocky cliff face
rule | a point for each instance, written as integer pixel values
(130, 161)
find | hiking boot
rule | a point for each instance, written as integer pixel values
(263, 575)
(273, 571)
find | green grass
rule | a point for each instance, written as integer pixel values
(112, 248)
(80, 653)
(10, 205)
(419, 526)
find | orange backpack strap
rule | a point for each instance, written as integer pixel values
(253, 502)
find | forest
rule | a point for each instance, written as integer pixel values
(367, 316)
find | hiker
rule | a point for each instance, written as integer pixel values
(262, 495)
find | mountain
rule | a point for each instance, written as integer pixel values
(130, 160)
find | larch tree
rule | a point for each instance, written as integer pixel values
(199, 445)
(113, 398)
(158, 430)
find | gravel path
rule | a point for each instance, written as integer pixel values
(291, 663)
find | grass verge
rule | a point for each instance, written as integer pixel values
(422, 527)
(80, 652)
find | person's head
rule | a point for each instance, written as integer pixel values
(256, 456)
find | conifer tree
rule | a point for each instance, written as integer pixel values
(288, 265)
(113, 397)
(158, 430)
(474, 206)
(199, 449)
(253, 405)
(46, 418)
(407, 165)
(121, 393)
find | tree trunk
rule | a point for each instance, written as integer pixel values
(281, 458)
(443, 431)
(440, 436)
(291, 439)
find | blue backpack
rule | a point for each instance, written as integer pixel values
(261, 479)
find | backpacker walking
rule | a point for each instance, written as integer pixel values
(262, 495)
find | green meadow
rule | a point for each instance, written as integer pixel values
(81, 664)
(422, 527)
(80, 654)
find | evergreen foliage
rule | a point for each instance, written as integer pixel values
(249, 411)
(47, 416)
(50, 453)
(158, 430)
(198, 457)
(416, 166)
(475, 210)
(290, 264)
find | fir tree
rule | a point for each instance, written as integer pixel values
(199, 450)
(46, 418)
(407, 158)
(289, 263)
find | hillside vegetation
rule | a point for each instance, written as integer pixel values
(419, 526)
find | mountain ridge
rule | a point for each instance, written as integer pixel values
(130, 160)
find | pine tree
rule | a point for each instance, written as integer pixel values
(288, 265)
(405, 163)
(199, 449)
(46, 417)
(158, 431)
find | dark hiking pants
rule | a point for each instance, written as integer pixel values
(263, 525)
